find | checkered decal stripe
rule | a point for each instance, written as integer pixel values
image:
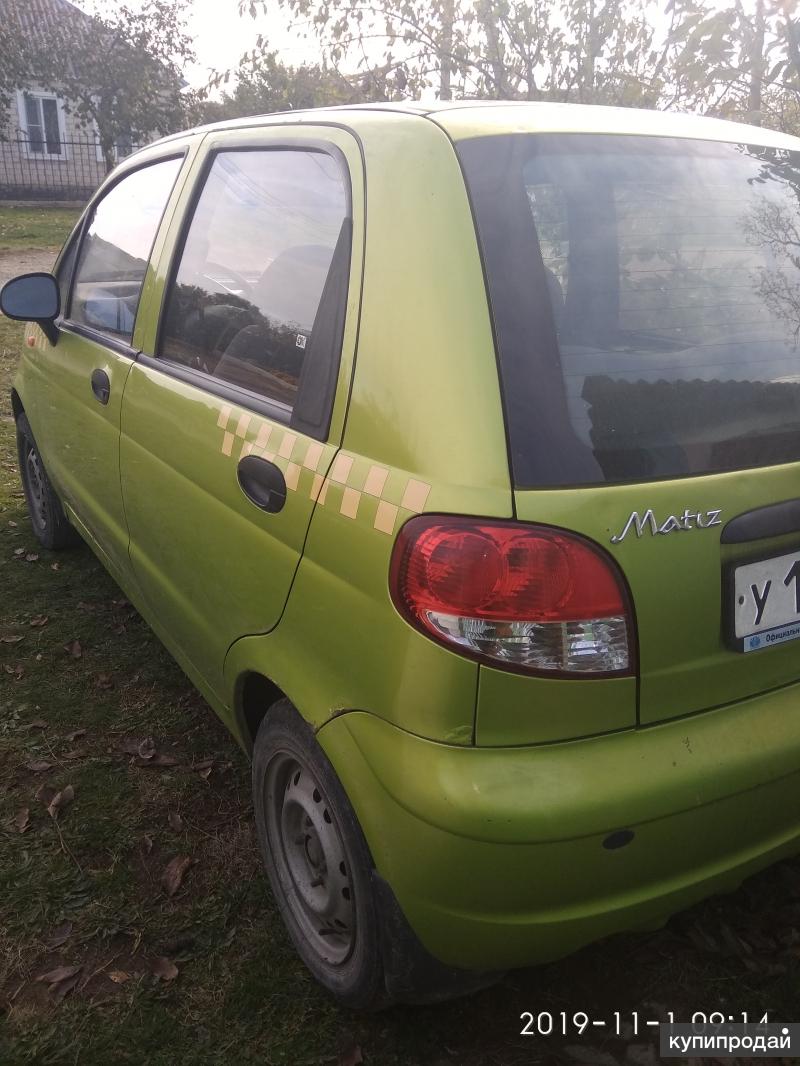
(359, 490)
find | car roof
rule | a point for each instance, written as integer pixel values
(473, 118)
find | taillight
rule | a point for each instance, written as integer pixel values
(529, 598)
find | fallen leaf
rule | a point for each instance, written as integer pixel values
(73, 736)
(59, 935)
(11, 640)
(64, 987)
(121, 603)
(205, 774)
(173, 873)
(39, 657)
(23, 820)
(61, 800)
(104, 681)
(45, 793)
(39, 620)
(74, 649)
(163, 968)
(147, 748)
(38, 767)
(13, 525)
(17, 671)
(31, 557)
(163, 760)
(61, 973)
(55, 566)
(147, 844)
(351, 1056)
(204, 764)
(75, 753)
(84, 606)
(175, 821)
(119, 977)
(19, 551)
(37, 723)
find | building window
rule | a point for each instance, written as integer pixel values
(123, 146)
(42, 124)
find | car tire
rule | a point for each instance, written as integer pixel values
(317, 860)
(50, 524)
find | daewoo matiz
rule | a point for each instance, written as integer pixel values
(454, 453)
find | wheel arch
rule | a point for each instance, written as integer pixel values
(17, 407)
(254, 696)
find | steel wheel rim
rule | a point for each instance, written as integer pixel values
(313, 868)
(37, 495)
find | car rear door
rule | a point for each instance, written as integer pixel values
(644, 291)
(80, 380)
(233, 415)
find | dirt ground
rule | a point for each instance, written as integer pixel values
(24, 261)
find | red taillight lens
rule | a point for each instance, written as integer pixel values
(528, 597)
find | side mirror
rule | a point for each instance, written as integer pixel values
(33, 298)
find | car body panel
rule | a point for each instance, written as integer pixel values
(511, 845)
(677, 581)
(480, 120)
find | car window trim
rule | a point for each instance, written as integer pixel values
(81, 328)
(246, 398)
(115, 344)
(73, 240)
(225, 390)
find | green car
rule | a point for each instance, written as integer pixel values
(454, 453)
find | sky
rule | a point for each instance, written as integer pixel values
(221, 36)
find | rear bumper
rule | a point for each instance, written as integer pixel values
(497, 857)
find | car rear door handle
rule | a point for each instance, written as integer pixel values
(101, 386)
(262, 482)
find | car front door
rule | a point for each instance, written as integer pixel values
(231, 419)
(80, 379)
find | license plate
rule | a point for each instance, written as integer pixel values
(766, 602)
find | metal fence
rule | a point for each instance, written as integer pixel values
(53, 169)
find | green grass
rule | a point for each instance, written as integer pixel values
(34, 227)
(241, 996)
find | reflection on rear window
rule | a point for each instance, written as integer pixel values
(646, 296)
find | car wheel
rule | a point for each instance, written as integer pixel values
(317, 860)
(50, 524)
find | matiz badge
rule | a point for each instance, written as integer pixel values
(688, 520)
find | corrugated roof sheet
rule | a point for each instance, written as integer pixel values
(33, 14)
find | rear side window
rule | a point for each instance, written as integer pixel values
(646, 298)
(116, 248)
(258, 296)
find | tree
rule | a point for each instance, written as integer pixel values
(263, 84)
(730, 60)
(588, 50)
(737, 62)
(118, 72)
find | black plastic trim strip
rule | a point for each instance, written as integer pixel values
(774, 520)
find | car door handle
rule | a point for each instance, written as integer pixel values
(262, 482)
(101, 386)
